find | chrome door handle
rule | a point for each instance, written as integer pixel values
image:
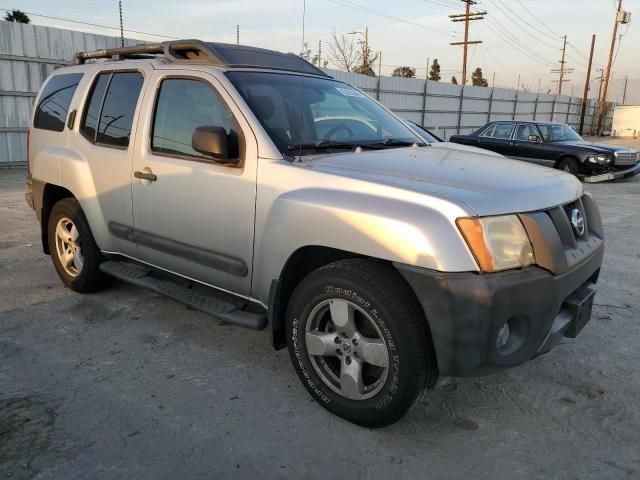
(145, 176)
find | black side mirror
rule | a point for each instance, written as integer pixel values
(535, 138)
(214, 141)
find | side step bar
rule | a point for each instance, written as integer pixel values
(211, 303)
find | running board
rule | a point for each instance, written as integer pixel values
(207, 302)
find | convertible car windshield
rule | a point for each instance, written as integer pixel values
(305, 114)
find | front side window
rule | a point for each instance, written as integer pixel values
(302, 114)
(51, 113)
(112, 104)
(524, 130)
(182, 106)
(558, 132)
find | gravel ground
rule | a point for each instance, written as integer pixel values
(126, 384)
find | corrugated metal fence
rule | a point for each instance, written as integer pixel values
(29, 53)
(451, 109)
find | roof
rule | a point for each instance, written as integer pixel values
(198, 52)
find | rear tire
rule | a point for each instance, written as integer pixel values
(569, 165)
(359, 342)
(74, 252)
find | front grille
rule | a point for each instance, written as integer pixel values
(557, 244)
(626, 158)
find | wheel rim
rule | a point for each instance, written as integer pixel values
(566, 168)
(68, 247)
(347, 349)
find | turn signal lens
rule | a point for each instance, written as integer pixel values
(497, 243)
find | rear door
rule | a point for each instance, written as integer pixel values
(196, 218)
(497, 138)
(103, 138)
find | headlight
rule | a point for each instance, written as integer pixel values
(497, 243)
(600, 158)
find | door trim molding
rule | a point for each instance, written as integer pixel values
(210, 258)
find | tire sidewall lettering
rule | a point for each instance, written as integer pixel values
(384, 398)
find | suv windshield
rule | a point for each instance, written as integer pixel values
(304, 114)
(557, 132)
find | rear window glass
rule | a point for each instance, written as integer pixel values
(53, 107)
(109, 116)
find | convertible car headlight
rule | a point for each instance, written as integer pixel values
(497, 243)
(600, 158)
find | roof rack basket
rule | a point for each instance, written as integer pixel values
(197, 51)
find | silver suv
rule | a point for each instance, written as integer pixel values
(250, 185)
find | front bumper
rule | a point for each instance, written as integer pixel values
(466, 312)
(613, 175)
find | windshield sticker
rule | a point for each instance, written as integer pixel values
(350, 92)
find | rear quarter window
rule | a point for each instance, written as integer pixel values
(53, 106)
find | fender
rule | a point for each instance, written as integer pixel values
(399, 230)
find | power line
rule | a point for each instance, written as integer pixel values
(511, 39)
(93, 24)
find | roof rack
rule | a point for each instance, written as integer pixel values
(197, 51)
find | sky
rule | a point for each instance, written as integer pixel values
(522, 39)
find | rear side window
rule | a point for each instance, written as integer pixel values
(499, 130)
(110, 109)
(53, 107)
(182, 106)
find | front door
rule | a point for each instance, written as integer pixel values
(524, 149)
(195, 217)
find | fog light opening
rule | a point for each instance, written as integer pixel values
(512, 335)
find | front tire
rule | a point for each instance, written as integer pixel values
(359, 343)
(74, 252)
(569, 165)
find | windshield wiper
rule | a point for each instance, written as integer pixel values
(320, 145)
(393, 142)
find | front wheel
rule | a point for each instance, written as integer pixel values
(569, 165)
(359, 343)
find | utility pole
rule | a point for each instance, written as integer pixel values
(237, 34)
(466, 17)
(379, 63)
(587, 84)
(621, 17)
(320, 53)
(426, 77)
(121, 25)
(562, 70)
(493, 80)
(624, 94)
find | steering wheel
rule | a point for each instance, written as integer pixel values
(336, 129)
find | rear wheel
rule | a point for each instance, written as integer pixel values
(359, 343)
(75, 255)
(569, 165)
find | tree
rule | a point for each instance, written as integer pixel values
(434, 73)
(365, 70)
(454, 80)
(17, 16)
(406, 72)
(477, 80)
(343, 53)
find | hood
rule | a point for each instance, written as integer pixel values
(465, 148)
(490, 185)
(594, 147)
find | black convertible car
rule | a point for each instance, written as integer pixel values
(555, 145)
